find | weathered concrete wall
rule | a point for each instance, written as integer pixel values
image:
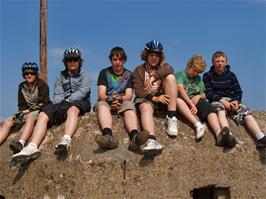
(92, 173)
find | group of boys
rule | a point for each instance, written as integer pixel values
(156, 88)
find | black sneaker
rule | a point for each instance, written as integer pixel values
(261, 143)
(138, 140)
(16, 147)
(230, 140)
(106, 141)
(221, 137)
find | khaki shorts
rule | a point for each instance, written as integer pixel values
(126, 105)
(159, 107)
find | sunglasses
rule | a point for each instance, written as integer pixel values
(72, 59)
(28, 73)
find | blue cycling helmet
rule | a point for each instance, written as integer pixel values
(154, 46)
(30, 65)
(72, 53)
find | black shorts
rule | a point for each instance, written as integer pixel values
(57, 113)
(204, 109)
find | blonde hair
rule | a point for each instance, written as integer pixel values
(197, 62)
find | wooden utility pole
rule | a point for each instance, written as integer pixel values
(43, 40)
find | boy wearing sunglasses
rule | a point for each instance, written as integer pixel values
(33, 93)
(71, 99)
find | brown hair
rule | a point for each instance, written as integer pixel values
(219, 53)
(119, 52)
(145, 53)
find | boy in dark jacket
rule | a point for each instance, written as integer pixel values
(224, 92)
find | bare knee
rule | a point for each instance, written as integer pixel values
(43, 117)
(73, 110)
(169, 78)
(145, 108)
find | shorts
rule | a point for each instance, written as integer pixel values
(126, 105)
(157, 107)
(238, 116)
(18, 125)
(204, 109)
(57, 113)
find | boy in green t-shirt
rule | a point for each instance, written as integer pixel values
(192, 101)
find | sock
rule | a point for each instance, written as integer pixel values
(152, 137)
(197, 125)
(133, 133)
(67, 137)
(33, 145)
(171, 114)
(259, 135)
(22, 142)
(217, 134)
(107, 131)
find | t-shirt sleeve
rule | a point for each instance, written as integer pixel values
(202, 87)
(102, 80)
(129, 82)
(179, 77)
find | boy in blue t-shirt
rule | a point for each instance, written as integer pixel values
(114, 96)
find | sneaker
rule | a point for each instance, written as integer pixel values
(152, 145)
(171, 124)
(221, 137)
(106, 141)
(16, 147)
(261, 143)
(27, 153)
(138, 140)
(63, 146)
(230, 140)
(200, 132)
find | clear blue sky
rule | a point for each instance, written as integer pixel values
(184, 27)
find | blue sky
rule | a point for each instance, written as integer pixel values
(184, 28)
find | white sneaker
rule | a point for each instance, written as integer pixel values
(200, 131)
(152, 145)
(63, 145)
(27, 153)
(171, 124)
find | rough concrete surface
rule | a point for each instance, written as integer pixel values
(183, 165)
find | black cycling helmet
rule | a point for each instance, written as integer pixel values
(154, 46)
(71, 53)
(30, 65)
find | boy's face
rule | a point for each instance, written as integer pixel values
(219, 64)
(72, 64)
(117, 63)
(30, 75)
(192, 72)
(153, 59)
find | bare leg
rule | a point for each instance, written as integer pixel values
(184, 110)
(252, 125)
(4, 130)
(213, 122)
(222, 119)
(170, 89)
(146, 112)
(71, 122)
(39, 131)
(131, 120)
(27, 128)
(104, 117)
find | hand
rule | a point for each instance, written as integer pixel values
(148, 84)
(193, 108)
(196, 99)
(234, 105)
(164, 99)
(116, 105)
(226, 104)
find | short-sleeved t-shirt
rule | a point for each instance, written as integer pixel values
(193, 86)
(113, 82)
